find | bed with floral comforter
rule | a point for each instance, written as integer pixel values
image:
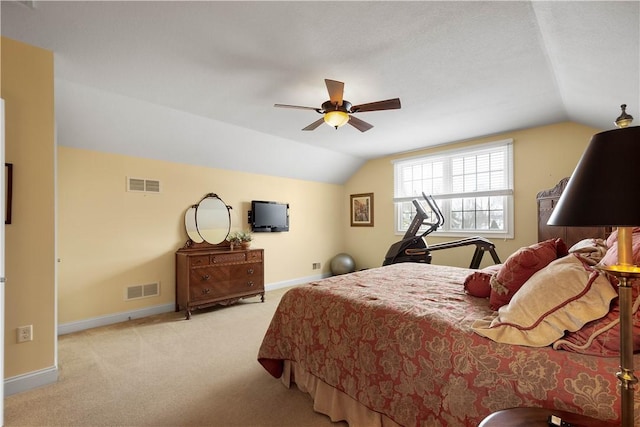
(395, 346)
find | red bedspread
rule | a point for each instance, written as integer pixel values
(398, 339)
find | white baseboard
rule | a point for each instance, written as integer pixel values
(294, 282)
(109, 319)
(30, 380)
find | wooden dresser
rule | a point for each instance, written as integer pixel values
(207, 275)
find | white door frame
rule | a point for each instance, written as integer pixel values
(2, 278)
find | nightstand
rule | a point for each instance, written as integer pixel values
(537, 417)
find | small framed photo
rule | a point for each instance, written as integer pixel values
(8, 191)
(362, 210)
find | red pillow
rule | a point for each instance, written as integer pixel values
(601, 337)
(478, 284)
(520, 266)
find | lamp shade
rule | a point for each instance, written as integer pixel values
(604, 189)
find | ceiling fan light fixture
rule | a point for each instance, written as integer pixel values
(336, 118)
(337, 111)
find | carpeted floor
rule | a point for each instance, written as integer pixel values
(167, 371)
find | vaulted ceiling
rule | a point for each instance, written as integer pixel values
(195, 82)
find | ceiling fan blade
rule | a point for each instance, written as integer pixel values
(294, 106)
(361, 125)
(388, 104)
(315, 124)
(336, 91)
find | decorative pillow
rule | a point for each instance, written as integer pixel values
(591, 250)
(520, 266)
(564, 296)
(611, 257)
(478, 284)
(601, 337)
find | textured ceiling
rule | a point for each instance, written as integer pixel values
(195, 82)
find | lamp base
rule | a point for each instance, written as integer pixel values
(628, 381)
(619, 270)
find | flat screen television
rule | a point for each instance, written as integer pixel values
(267, 216)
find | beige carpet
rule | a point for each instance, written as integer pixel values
(167, 371)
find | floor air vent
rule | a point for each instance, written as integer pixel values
(142, 291)
(143, 185)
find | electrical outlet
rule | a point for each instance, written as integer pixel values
(316, 266)
(25, 333)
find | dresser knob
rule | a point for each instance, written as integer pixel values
(250, 271)
(206, 291)
(206, 277)
(250, 284)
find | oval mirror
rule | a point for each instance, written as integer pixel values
(212, 219)
(190, 225)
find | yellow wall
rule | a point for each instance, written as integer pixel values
(542, 156)
(27, 88)
(110, 238)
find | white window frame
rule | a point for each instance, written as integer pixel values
(445, 193)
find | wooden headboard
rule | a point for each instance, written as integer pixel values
(547, 200)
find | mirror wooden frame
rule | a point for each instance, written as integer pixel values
(202, 242)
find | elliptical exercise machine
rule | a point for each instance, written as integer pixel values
(414, 248)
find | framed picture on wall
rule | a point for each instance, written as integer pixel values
(8, 188)
(362, 210)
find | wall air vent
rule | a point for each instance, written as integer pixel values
(152, 186)
(142, 291)
(142, 185)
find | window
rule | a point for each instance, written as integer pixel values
(473, 188)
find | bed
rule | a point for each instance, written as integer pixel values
(407, 345)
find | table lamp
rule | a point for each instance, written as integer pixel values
(604, 190)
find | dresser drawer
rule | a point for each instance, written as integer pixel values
(236, 287)
(212, 274)
(206, 275)
(202, 291)
(241, 271)
(228, 258)
(225, 289)
(198, 260)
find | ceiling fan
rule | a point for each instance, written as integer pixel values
(337, 111)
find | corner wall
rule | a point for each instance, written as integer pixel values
(30, 295)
